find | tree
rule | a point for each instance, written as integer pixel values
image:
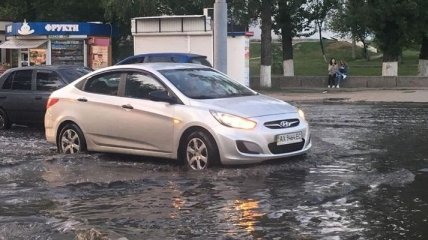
(351, 19)
(422, 37)
(291, 19)
(72, 10)
(319, 10)
(55, 10)
(393, 24)
(267, 7)
(16, 10)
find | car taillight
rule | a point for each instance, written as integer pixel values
(51, 102)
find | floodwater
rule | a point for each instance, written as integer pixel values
(365, 178)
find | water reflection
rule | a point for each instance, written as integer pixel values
(249, 213)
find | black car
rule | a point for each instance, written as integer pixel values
(24, 91)
(166, 57)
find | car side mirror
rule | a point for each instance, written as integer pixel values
(162, 96)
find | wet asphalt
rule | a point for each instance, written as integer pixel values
(365, 178)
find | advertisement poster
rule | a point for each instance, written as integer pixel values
(99, 57)
(37, 57)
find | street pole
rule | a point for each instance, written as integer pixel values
(220, 35)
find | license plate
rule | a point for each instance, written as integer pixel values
(289, 138)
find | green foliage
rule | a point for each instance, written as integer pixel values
(393, 23)
(319, 9)
(350, 19)
(291, 17)
(243, 12)
(55, 10)
(16, 10)
(308, 60)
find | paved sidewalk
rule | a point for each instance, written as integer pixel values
(350, 95)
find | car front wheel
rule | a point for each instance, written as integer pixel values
(4, 121)
(200, 151)
(71, 140)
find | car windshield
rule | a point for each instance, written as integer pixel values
(71, 74)
(205, 84)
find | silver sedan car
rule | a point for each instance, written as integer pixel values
(187, 112)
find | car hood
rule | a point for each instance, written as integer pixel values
(248, 106)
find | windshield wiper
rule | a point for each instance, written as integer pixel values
(240, 94)
(202, 97)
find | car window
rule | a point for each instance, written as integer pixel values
(202, 61)
(139, 85)
(22, 80)
(107, 83)
(162, 58)
(205, 83)
(133, 60)
(71, 74)
(8, 82)
(48, 81)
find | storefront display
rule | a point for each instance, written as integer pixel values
(69, 52)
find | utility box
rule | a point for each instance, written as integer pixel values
(190, 34)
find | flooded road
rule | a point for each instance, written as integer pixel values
(365, 178)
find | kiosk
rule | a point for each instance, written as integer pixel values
(52, 43)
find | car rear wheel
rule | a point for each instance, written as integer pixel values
(200, 151)
(4, 121)
(71, 140)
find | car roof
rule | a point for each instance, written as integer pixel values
(169, 54)
(156, 66)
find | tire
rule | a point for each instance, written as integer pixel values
(4, 120)
(199, 151)
(71, 140)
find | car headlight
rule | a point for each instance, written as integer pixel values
(233, 121)
(301, 114)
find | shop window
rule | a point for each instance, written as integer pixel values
(68, 52)
(22, 80)
(104, 84)
(48, 81)
(140, 86)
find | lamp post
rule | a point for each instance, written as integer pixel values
(220, 35)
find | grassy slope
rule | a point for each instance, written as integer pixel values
(308, 60)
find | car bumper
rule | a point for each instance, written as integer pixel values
(248, 146)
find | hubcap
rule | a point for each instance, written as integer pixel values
(197, 154)
(70, 142)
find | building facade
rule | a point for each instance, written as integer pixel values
(53, 43)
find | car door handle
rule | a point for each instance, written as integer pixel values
(3, 97)
(38, 98)
(82, 99)
(128, 106)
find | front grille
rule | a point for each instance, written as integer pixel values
(287, 148)
(280, 124)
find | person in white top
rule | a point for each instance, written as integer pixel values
(332, 71)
